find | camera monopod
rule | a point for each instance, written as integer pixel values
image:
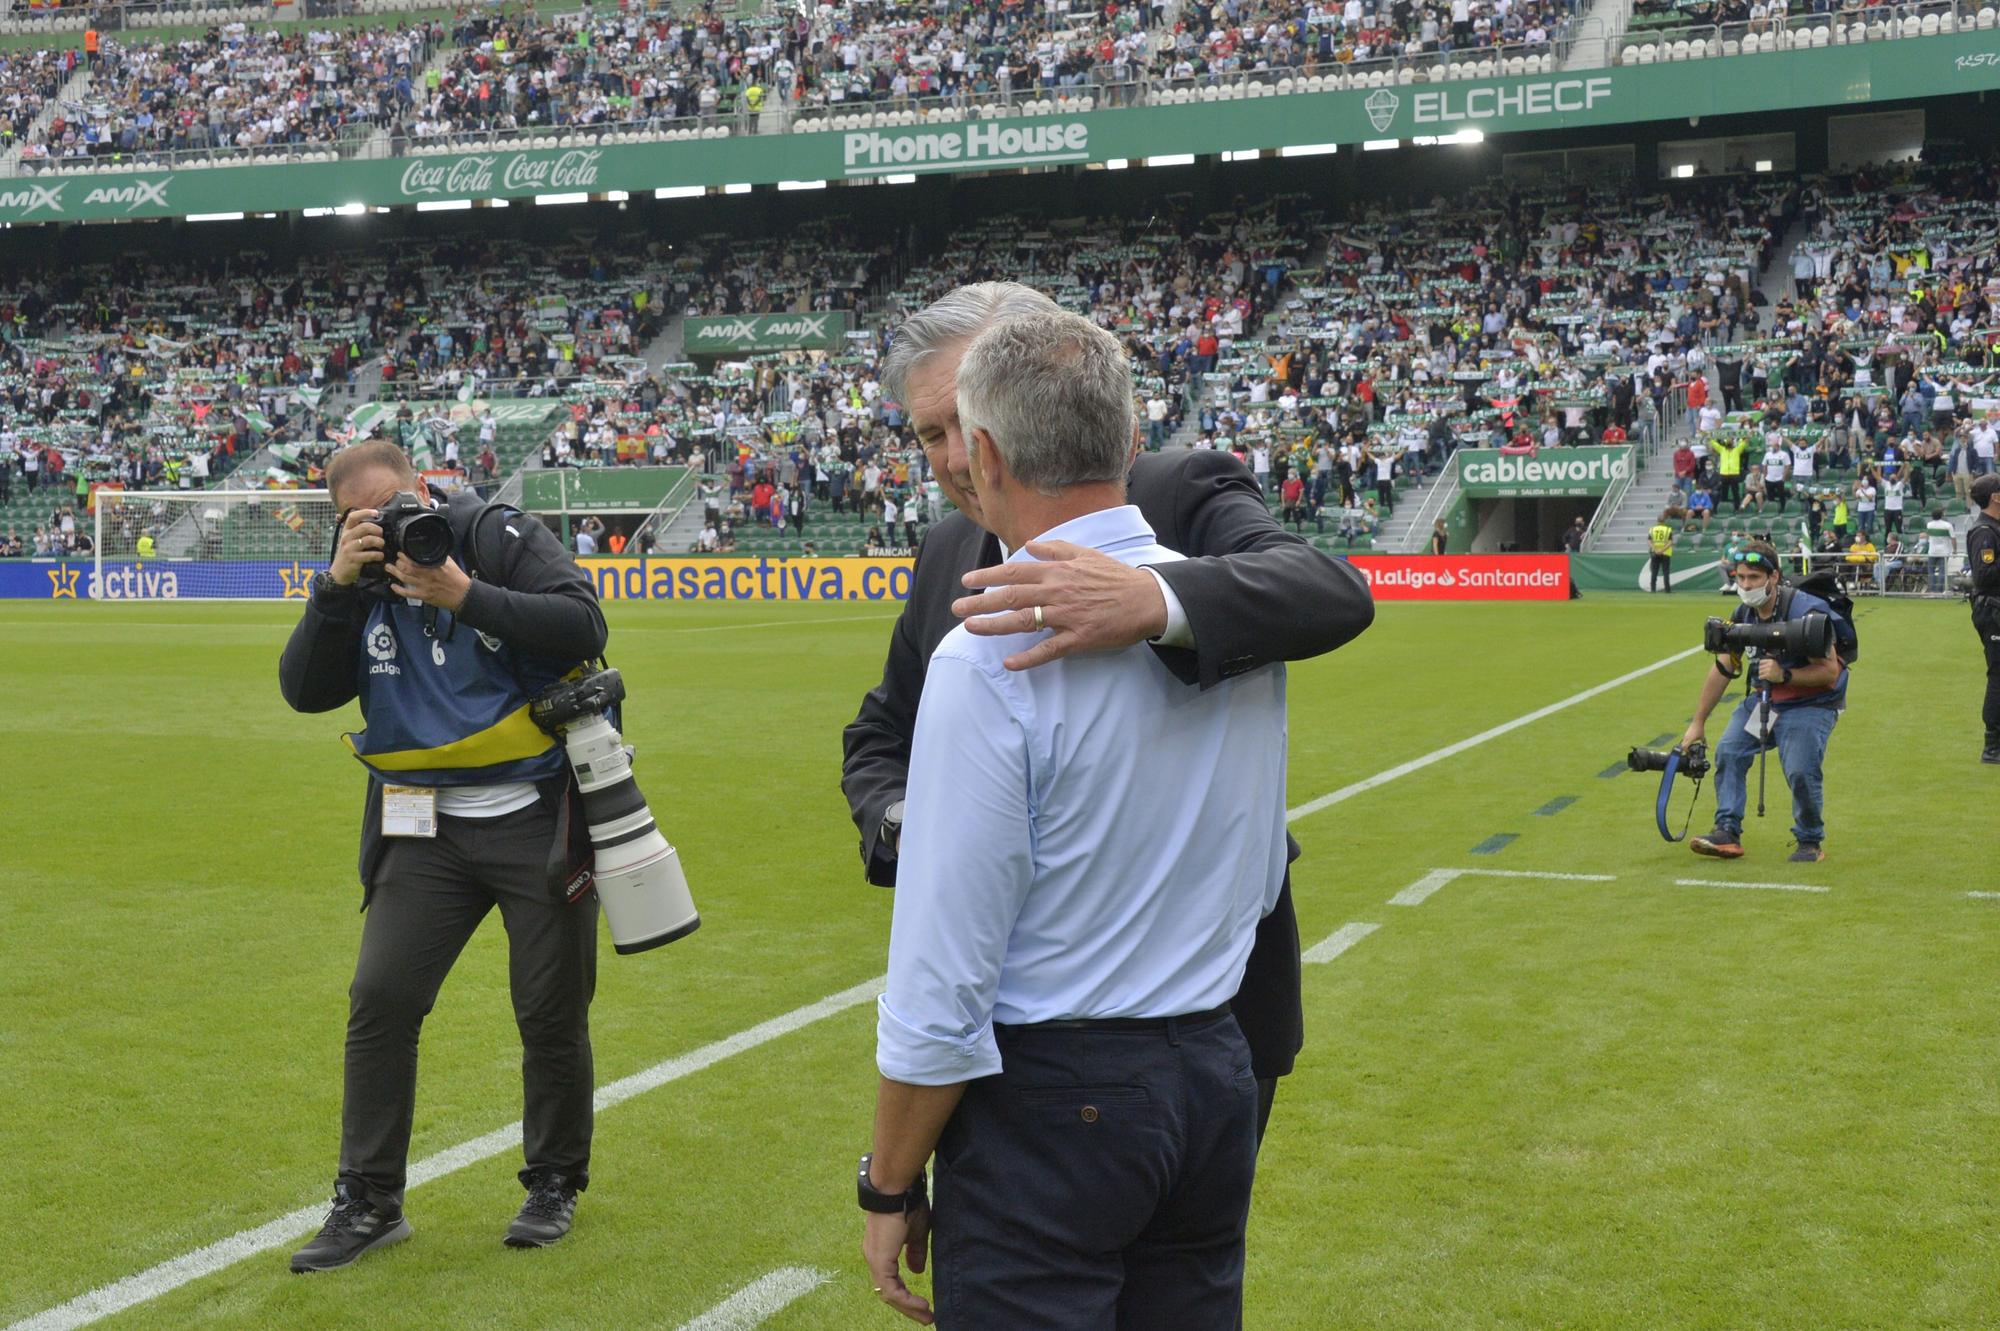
(1763, 739)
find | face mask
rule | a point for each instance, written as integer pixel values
(1754, 596)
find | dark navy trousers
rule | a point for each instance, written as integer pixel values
(1101, 1180)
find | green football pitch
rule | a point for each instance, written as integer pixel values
(1526, 1102)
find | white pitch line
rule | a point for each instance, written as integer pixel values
(1506, 727)
(1417, 893)
(1337, 942)
(1767, 887)
(1985, 896)
(170, 1275)
(760, 1300)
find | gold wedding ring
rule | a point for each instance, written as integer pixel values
(1038, 619)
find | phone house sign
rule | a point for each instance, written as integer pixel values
(963, 147)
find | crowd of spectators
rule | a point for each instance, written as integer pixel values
(236, 87)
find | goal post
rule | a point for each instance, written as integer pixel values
(232, 545)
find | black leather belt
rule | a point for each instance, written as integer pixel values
(1133, 1025)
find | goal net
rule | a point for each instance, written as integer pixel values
(242, 545)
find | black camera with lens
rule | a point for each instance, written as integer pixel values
(410, 527)
(1809, 636)
(1694, 760)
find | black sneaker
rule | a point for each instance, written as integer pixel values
(351, 1228)
(546, 1215)
(1721, 844)
(1806, 852)
(1991, 753)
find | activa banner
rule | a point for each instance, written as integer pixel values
(732, 334)
(1465, 577)
(1487, 474)
(724, 578)
(1875, 71)
(719, 578)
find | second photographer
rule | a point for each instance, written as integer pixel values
(446, 619)
(1793, 699)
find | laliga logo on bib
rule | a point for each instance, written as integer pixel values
(382, 643)
(492, 643)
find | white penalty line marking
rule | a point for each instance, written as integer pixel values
(1337, 942)
(1984, 896)
(760, 1300)
(171, 1275)
(1765, 887)
(1417, 893)
(1506, 727)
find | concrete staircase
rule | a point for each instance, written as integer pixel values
(1599, 31)
(75, 89)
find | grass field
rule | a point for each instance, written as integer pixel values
(1524, 1103)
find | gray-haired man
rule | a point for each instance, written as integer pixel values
(1087, 853)
(1248, 594)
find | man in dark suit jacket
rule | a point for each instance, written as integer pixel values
(1250, 593)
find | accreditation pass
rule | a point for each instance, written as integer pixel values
(409, 811)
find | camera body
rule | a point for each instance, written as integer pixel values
(638, 875)
(410, 527)
(1694, 760)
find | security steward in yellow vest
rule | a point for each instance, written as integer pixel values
(1729, 468)
(470, 806)
(1660, 568)
(1982, 561)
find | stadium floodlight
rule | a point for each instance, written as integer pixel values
(317, 212)
(1684, 171)
(1116, 163)
(1464, 136)
(1172, 159)
(739, 188)
(215, 217)
(444, 205)
(231, 545)
(1424, 141)
(550, 200)
(1243, 155)
(351, 210)
(1380, 145)
(616, 195)
(1763, 165)
(1309, 150)
(787, 186)
(900, 178)
(680, 192)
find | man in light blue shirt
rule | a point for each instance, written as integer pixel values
(1086, 851)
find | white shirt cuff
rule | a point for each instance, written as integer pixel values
(1178, 633)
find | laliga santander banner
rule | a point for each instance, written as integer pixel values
(1465, 577)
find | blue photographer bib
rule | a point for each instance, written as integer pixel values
(449, 709)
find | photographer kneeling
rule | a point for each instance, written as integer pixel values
(1792, 702)
(445, 617)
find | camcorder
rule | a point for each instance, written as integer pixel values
(638, 875)
(1810, 636)
(409, 527)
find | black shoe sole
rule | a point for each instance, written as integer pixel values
(388, 1238)
(523, 1241)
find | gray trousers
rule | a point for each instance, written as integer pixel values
(431, 893)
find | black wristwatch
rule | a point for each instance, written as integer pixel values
(890, 1203)
(1788, 676)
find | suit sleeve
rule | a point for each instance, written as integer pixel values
(1254, 593)
(875, 747)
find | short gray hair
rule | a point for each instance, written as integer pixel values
(1055, 392)
(957, 316)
